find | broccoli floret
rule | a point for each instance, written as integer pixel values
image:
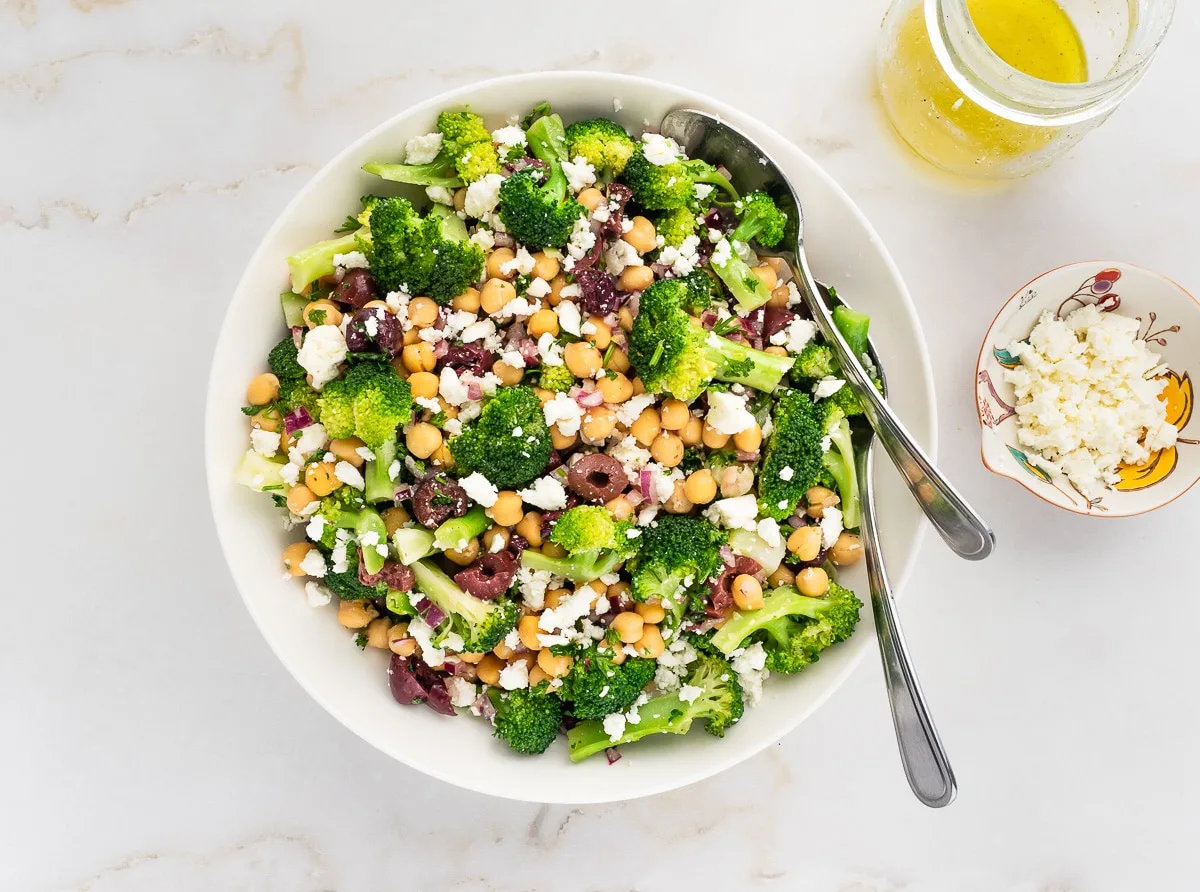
(315, 261)
(282, 361)
(748, 290)
(661, 187)
(719, 705)
(676, 225)
(346, 584)
(793, 628)
(604, 144)
(847, 399)
(854, 327)
(408, 252)
(816, 361)
(596, 686)
(796, 444)
(670, 353)
(370, 402)
(678, 553)
(597, 543)
(489, 446)
(839, 461)
(295, 393)
(702, 290)
(539, 213)
(481, 624)
(558, 378)
(760, 221)
(527, 719)
(467, 154)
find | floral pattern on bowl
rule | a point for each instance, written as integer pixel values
(1169, 320)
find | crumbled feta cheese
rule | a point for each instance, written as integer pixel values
(738, 513)
(550, 352)
(479, 489)
(348, 474)
(477, 331)
(546, 493)
(682, 259)
(314, 564)
(617, 106)
(351, 260)
(563, 412)
(433, 655)
(483, 196)
(796, 335)
(619, 255)
(569, 317)
(831, 526)
(290, 474)
(614, 726)
(483, 238)
(827, 387)
(727, 413)
(394, 470)
(365, 453)
(422, 149)
(533, 584)
(462, 692)
(721, 253)
(579, 174)
(662, 481)
(628, 411)
(750, 664)
(538, 287)
(451, 388)
(659, 149)
(521, 263)
(323, 350)
(631, 456)
(265, 443)
(786, 474)
(315, 528)
(689, 692)
(515, 676)
(440, 195)
(509, 136)
(768, 531)
(317, 595)
(429, 403)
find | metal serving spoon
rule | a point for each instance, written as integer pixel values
(705, 136)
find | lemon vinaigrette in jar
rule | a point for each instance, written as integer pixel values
(1000, 88)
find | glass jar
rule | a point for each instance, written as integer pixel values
(1057, 71)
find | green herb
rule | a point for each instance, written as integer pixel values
(610, 374)
(317, 316)
(438, 419)
(658, 352)
(727, 325)
(361, 640)
(612, 637)
(252, 410)
(539, 111)
(280, 501)
(273, 486)
(522, 283)
(608, 353)
(351, 225)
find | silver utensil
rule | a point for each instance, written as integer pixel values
(925, 763)
(703, 135)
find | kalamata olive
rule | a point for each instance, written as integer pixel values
(398, 577)
(473, 358)
(597, 291)
(720, 588)
(357, 288)
(373, 329)
(775, 320)
(597, 478)
(412, 682)
(438, 499)
(489, 577)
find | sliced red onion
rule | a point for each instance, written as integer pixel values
(515, 332)
(613, 755)
(298, 335)
(503, 239)
(403, 492)
(440, 348)
(529, 350)
(474, 392)
(484, 706)
(635, 497)
(747, 456)
(644, 480)
(795, 522)
(296, 419)
(430, 613)
(635, 301)
(727, 554)
(708, 320)
(662, 271)
(589, 399)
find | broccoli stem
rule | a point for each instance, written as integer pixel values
(379, 485)
(839, 461)
(432, 174)
(443, 591)
(747, 288)
(780, 603)
(458, 531)
(315, 261)
(666, 714)
(293, 308)
(582, 567)
(367, 520)
(766, 369)
(853, 325)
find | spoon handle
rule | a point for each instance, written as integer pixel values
(925, 764)
(956, 522)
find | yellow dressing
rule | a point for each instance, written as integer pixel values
(930, 112)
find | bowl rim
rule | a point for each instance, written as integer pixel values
(217, 476)
(979, 367)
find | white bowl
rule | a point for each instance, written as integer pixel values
(352, 685)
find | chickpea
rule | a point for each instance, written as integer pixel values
(812, 581)
(616, 389)
(674, 414)
(621, 508)
(294, 555)
(412, 336)
(318, 477)
(299, 498)
(555, 596)
(508, 509)
(779, 297)
(321, 312)
(775, 351)
(545, 266)
(628, 627)
(488, 669)
(618, 361)
(442, 456)
(805, 543)
(713, 438)
(778, 264)
(678, 503)
(377, 305)
(647, 426)
(700, 487)
(635, 278)
(544, 321)
(819, 498)
(650, 612)
(748, 440)
(394, 518)
(625, 319)
(465, 555)
(492, 536)
(667, 449)
(618, 590)
(419, 357)
(267, 419)
(598, 424)
(536, 676)
(747, 592)
(618, 653)
(422, 312)
(736, 480)
(602, 336)
(377, 633)
(423, 439)
(766, 275)
(846, 550)
(467, 302)
(501, 257)
(639, 387)
(530, 526)
(347, 450)
(263, 389)
(782, 576)
(692, 432)
(472, 658)
(642, 236)
(527, 628)
(554, 666)
(495, 294)
(553, 549)
(561, 441)
(503, 651)
(424, 385)
(356, 614)
(582, 359)
(557, 284)
(509, 376)
(651, 643)
(399, 641)
(590, 198)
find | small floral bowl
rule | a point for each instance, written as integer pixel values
(1169, 320)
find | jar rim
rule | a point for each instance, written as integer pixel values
(1003, 90)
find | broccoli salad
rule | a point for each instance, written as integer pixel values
(561, 436)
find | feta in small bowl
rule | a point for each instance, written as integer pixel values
(1084, 389)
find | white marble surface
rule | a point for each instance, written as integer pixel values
(149, 739)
